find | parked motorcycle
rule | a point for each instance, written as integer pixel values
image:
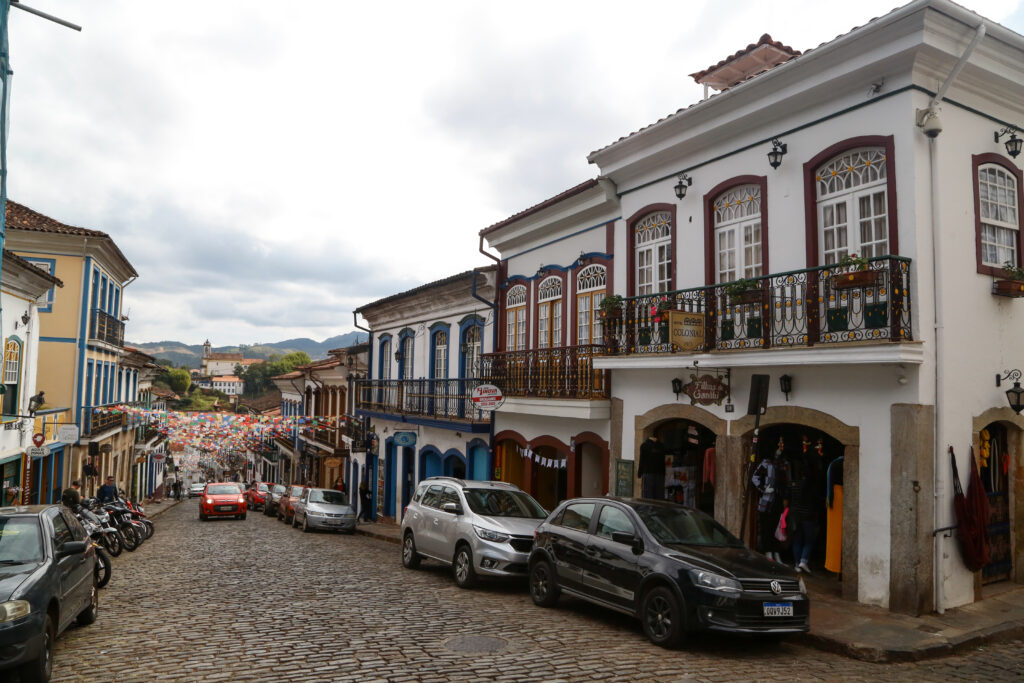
(139, 515)
(97, 532)
(107, 534)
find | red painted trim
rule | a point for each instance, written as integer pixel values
(595, 260)
(977, 161)
(550, 441)
(710, 245)
(631, 245)
(609, 248)
(536, 328)
(510, 435)
(811, 193)
(602, 445)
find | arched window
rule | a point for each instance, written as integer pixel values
(852, 198)
(591, 288)
(472, 345)
(549, 312)
(407, 358)
(12, 376)
(999, 216)
(737, 216)
(515, 318)
(440, 368)
(652, 241)
(384, 372)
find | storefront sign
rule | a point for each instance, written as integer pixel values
(624, 478)
(37, 451)
(38, 439)
(68, 433)
(487, 397)
(405, 439)
(686, 330)
(332, 462)
(706, 390)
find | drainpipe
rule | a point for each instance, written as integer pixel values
(494, 337)
(927, 120)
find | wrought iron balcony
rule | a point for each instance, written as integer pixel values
(559, 372)
(101, 422)
(813, 306)
(440, 399)
(106, 328)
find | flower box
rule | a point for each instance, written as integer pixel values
(750, 296)
(1010, 288)
(856, 279)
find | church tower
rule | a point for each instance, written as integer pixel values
(207, 349)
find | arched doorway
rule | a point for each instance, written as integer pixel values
(591, 465)
(689, 472)
(430, 463)
(479, 465)
(510, 464)
(996, 470)
(454, 465)
(548, 471)
(408, 469)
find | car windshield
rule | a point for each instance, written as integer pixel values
(503, 503)
(278, 489)
(678, 525)
(328, 497)
(223, 489)
(198, 486)
(20, 540)
(262, 487)
(296, 492)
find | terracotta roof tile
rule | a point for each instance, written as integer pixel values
(416, 290)
(28, 264)
(763, 40)
(585, 185)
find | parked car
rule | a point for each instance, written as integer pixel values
(286, 506)
(47, 581)
(673, 567)
(256, 495)
(196, 490)
(222, 499)
(480, 528)
(274, 498)
(324, 509)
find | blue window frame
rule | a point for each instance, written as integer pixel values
(48, 265)
(384, 354)
(407, 346)
(88, 383)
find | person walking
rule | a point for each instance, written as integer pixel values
(71, 497)
(365, 501)
(108, 492)
(177, 489)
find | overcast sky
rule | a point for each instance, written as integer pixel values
(269, 166)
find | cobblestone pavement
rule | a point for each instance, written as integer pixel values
(256, 600)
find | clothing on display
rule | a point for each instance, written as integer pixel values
(834, 517)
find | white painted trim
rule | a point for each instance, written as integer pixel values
(558, 407)
(912, 353)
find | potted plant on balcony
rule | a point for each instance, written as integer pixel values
(852, 271)
(743, 291)
(1013, 285)
(611, 306)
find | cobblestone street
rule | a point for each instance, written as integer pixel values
(255, 600)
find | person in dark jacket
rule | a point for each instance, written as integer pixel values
(72, 496)
(365, 502)
(651, 469)
(107, 492)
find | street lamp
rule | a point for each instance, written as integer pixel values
(1015, 394)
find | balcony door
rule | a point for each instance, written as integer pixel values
(550, 362)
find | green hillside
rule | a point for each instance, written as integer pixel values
(189, 355)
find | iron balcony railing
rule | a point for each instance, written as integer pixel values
(441, 399)
(559, 372)
(106, 328)
(824, 305)
(331, 434)
(101, 422)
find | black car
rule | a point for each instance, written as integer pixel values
(47, 581)
(673, 567)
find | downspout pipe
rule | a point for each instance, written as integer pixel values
(940, 499)
(488, 255)
(493, 305)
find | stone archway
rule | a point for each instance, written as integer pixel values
(1014, 425)
(742, 431)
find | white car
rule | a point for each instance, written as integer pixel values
(196, 490)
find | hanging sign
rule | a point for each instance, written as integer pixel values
(406, 439)
(487, 397)
(37, 451)
(706, 390)
(686, 330)
(68, 433)
(332, 462)
(38, 439)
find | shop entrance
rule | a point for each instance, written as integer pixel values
(806, 467)
(994, 461)
(511, 466)
(689, 466)
(549, 477)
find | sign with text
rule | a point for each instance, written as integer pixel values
(37, 451)
(706, 390)
(487, 397)
(686, 330)
(68, 433)
(624, 478)
(332, 462)
(405, 439)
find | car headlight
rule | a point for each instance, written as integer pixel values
(14, 609)
(314, 513)
(715, 582)
(803, 588)
(209, 501)
(241, 499)
(492, 536)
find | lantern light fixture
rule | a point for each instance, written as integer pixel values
(1015, 394)
(1013, 144)
(778, 151)
(684, 182)
(786, 385)
(677, 387)
(398, 355)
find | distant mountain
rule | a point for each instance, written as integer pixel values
(189, 355)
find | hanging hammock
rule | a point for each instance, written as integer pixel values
(972, 513)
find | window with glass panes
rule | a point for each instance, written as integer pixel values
(12, 376)
(853, 205)
(738, 233)
(472, 354)
(591, 288)
(549, 313)
(515, 318)
(1000, 218)
(407, 358)
(440, 354)
(652, 239)
(385, 359)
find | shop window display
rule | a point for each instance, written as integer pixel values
(678, 464)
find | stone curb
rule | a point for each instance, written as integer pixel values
(378, 536)
(164, 509)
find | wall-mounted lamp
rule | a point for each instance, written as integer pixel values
(25, 318)
(1014, 144)
(779, 150)
(677, 387)
(37, 401)
(786, 385)
(684, 182)
(398, 355)
(1015, 394)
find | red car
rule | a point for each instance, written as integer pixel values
(222, 499)
(256, 495)
(285, 508)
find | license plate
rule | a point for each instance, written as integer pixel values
(778, 609)
(224, 508)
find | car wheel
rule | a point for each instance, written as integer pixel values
(295, 522)
(543, 586)
(305, 524)
(662, 617)
(410, 558)
(202, 517)
(39, 670)
(462, 567)
(88, 615)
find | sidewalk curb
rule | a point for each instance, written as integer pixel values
(164, 509)
(378, 536)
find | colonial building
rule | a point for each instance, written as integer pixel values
(214, 363)
(150, 452)
(81, 339)
(836, 221)
(424, 361)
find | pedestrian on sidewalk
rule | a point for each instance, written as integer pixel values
(177, 489)
(365, 501)
(72, 496)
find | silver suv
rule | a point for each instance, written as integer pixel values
(480, 528)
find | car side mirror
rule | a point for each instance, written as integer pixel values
(629, 539)
(452, 508)
(71, 548)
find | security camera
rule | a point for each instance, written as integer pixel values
(929, 123)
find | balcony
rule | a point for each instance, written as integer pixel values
(416, 400)
(96, 423)
(827, 305)
(106, 328)
(334, 436)
(565, 372)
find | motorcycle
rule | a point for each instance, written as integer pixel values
(139, 515)
(96, 532)
(110, 536)
(132, 533)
